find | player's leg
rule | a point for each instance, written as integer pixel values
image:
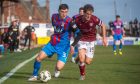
(37, 62)
(114, 44)
(75, 54)
(29, 46)
(82, 48)
(82, 55)
(62, 58)
(47, 50)
(59, 66)
(90, 52)
(14, 45)
(37, 65)
(88, 60)
(25, 42)
(121, 44)
(17, 45)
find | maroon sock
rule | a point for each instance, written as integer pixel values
(82, 69)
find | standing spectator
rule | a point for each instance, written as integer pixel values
(111, 25)
(28, 32)
(136, 26)
(13, 37)
(130, 27)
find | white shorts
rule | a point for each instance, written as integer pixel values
(89, 46)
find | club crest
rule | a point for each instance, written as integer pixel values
(90, 24)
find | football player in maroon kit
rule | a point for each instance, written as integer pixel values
(86, 45)
(74, 55)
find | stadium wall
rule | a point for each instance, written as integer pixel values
(43, 31)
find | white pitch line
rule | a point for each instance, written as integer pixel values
(16, 68)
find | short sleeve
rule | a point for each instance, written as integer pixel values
(98, 21)
(54, 18)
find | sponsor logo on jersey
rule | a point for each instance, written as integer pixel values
(62, 24)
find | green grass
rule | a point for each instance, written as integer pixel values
(10, 60)
(105, 68)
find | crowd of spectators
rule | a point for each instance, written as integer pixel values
(12, 39)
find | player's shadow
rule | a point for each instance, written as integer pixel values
(21, 75)
(24, 76)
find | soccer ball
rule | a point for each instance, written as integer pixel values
(45, 76)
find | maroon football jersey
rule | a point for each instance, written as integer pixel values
(88, 28)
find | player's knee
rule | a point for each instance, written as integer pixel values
(59, 68)
(60, 65)
(41, 56)
(88, 62)
(81, 58)
(38, 59)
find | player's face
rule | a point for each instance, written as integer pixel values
(63, 13)
(118, 19)
(88, 15)
(81, 12)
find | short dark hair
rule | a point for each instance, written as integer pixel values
(81, 8)
(88, 7)
(63, 6)
(117, 16)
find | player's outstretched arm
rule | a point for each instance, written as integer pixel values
(76, 39)
(104, 34)
(76, 30)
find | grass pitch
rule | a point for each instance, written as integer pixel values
(105, 68)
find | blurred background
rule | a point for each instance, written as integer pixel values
(38, 13)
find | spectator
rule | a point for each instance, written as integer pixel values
(13, 37)
(136, 27)
(111, 25)
(28, 32)
(130, 27)
(4, 39)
